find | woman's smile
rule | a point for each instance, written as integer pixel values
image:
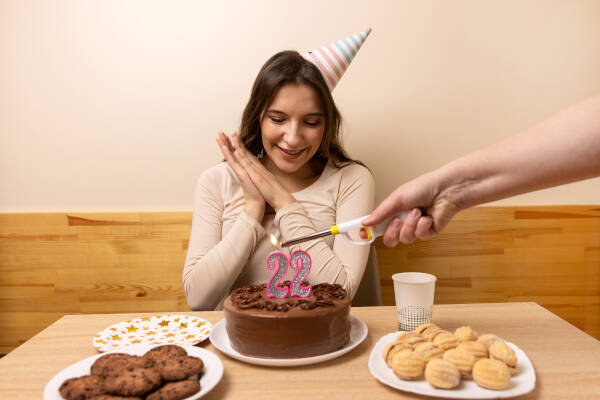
(289, 153)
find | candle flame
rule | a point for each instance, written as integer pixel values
(274, 240)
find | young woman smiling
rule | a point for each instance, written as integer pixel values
(286, 172)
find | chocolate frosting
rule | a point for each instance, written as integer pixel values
(290, 327)
(254, 297)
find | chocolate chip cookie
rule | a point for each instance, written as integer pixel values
(82, 388)
(132, 381)
(111, 397)
(176, 369)
(110, 363)
(176, 390)
(164, 352)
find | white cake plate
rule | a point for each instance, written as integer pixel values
(219, 338)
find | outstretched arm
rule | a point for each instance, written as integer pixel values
(563, 149)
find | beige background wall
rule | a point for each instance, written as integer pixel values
(114, 105)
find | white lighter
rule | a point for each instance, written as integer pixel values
(351, 231)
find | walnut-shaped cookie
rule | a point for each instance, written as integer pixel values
(431, 332)
(408, 366)
(488, 339)
(491, 374)
(446, 340)
(503, 352)
(442, 374)
(419, 329)
(428, 350)
(392, 348)
(463, 360)
(478, 349)
(465, 334)
(411, 338)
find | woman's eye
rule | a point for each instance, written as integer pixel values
(312, 123)
(276, 120)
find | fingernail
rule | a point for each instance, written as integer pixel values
(415, 213)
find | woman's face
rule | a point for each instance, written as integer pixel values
(292, 128)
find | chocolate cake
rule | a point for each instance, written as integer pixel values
(291, 327)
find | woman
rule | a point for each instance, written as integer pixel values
(286, 173)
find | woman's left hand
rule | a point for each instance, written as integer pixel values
(268, 185)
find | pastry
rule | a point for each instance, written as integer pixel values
(442, 374)
(428, 350)
(392, 348)
(165, 351)
(431, 332)
(488, 339)
(134, 381)
(176, 369)
(422, 327)
(411, 338)
(108, 364)
(491, 374)
(82, 388)
(503, 352)
(465, 334)
(462, 359)
(445, 340)
(176, 390)
(478, 349)
(408, 365)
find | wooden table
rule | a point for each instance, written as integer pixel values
(566, 360)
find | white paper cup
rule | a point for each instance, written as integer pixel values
(414, 298)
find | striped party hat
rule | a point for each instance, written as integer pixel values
(333, 59)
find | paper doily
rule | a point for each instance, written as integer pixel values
(162, 329)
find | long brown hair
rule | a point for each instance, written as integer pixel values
(290, 67)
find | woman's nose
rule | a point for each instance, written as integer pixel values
(292, 134)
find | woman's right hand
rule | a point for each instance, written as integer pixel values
(255, 203)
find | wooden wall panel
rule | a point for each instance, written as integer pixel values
(549, 255)
(59, 263)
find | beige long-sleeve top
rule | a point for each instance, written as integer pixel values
(228, 248)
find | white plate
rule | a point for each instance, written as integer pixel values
(163, 329)
(213, 370)
(520, 383)
(219, 338)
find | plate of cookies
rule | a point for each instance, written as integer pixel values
(162, 329)
(139, 371)
(461, 364)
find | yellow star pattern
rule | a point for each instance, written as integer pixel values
(136, 341)
(200, 324)
(170, 335)
(115, 337)
(131, 328)
(164, 323)
(182, 326)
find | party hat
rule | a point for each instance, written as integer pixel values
(333, 59)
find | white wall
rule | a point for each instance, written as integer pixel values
(114, 105)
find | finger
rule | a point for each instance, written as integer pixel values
(407, 233)
(390, 237)
(226, 149)
(243, 155)
(423, 230)
(387, 208)
(224, 145)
